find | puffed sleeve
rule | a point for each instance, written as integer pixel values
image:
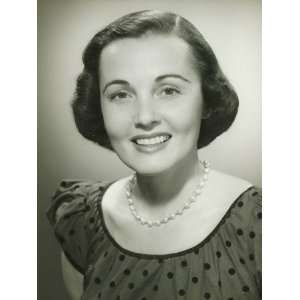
(69, 213)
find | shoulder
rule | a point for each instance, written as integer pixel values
(73, 196)
(73, 187)
(75, 218)
(228, 183)
(224, 189)
(243, 201)
(112, 201)
(114, 207)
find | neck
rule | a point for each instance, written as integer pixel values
(177, 182)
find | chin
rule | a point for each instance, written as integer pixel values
(149, 170)
(152, 163)
(146, 167)
(150, 166)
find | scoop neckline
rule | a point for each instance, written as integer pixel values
(131, 253)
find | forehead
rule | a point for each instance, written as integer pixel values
(146, 55)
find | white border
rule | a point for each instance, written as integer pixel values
(281, 114)
(18, 150)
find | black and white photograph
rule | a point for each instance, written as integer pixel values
(149, 150)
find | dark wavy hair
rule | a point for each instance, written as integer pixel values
(220, 99)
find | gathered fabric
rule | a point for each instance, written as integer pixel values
(226, 265)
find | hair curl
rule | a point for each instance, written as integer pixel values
(219, 96)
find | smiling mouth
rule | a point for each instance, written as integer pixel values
(152, 141)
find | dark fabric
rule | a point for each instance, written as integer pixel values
(224, 266)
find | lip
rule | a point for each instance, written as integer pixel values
(149, 136)
(151, 148)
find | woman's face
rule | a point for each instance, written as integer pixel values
(151, 102)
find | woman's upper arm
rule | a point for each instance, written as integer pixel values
(72, 278)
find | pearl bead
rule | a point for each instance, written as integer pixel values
(198, 191)
(170, 217)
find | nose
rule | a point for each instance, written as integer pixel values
(146, 116)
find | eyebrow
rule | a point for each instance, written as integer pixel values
(116, 81)
(157, 79)
(162, 77)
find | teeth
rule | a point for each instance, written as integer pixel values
(152, 141)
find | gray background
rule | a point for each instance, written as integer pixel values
(232, 28)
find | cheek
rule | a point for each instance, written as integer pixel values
(187, 118)
(116, 122)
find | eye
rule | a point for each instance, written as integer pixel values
(119, 96)
(169, 91)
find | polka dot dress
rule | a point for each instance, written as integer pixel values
(225, 266)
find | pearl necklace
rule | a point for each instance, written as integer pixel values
(196, 193)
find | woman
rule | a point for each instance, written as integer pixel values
(153, 92)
